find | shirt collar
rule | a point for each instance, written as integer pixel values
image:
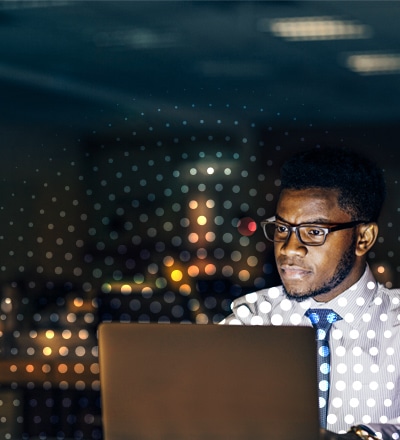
(353, 302)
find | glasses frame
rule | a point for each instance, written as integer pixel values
(295, 228)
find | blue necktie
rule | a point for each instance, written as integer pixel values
(322, 320)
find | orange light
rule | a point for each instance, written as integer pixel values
(381, 269)
(168, 261)
(193, 271)
(30, 368)
(193, 237)
(210, 269)
(62, 368)
(79, 368)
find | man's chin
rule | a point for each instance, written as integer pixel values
(299, 296)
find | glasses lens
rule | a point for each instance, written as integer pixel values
(312, 235)
(276, 231)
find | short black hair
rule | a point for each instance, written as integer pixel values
(358, 180)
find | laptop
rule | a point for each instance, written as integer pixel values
(208, 382)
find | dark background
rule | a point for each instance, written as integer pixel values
(129, 127)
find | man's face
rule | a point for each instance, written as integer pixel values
(322, 272)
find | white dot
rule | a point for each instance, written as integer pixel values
(374, 368)
(378, 301)
(349, 317)
(357, 385)
(331, 419)
(387, 402)
(265, 307)
(373, 351)
(358, 368)
(387, 334)
(295, 319)
(342, 301)
(286, 305)
(366, 419)
(321, 402)
(354, 402)
(341, 368)
(390, 351)
(234, 322)
(349, 419)
(354, 334)
(357, 351)
(340, 351)
(243, 311)
(390, 386)
(323, 385)
(383, 317)
(336, 333)
(371, 285)
(360, 301)
(340, 385)
(251, 297)
(276, 319)
(371, 402)
(373, 386)
(366, 317)
(370, 334)
(256, 320)
(273, 292)
(391, 368)
(384, 419)
(337, 402)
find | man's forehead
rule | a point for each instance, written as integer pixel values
(298, 205)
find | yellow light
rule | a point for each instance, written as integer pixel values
(201, 220)
(49, 334)
(126, 288)
(193, 204)
(78, 302)
(374, 63)
(47, 351)
(176, 275)
(381, 269)
(315, 28)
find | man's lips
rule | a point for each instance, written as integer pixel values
(293, 272)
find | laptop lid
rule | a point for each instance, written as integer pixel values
(203, 382)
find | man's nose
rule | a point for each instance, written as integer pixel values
(293, 246)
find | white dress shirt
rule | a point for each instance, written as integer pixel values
(365, 349)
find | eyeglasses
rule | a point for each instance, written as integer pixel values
(308, 234)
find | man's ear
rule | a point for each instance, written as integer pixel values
(367, 235)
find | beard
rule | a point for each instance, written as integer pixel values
(343, 269)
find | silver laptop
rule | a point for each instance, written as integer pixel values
(206, 382)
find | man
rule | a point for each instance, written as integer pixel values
(324, 226)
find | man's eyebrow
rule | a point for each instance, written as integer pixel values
(315, 221)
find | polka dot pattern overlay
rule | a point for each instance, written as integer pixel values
(151, 217)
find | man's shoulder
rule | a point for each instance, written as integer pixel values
(246, 308)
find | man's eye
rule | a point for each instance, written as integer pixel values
(315, 232)
(281, 229)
